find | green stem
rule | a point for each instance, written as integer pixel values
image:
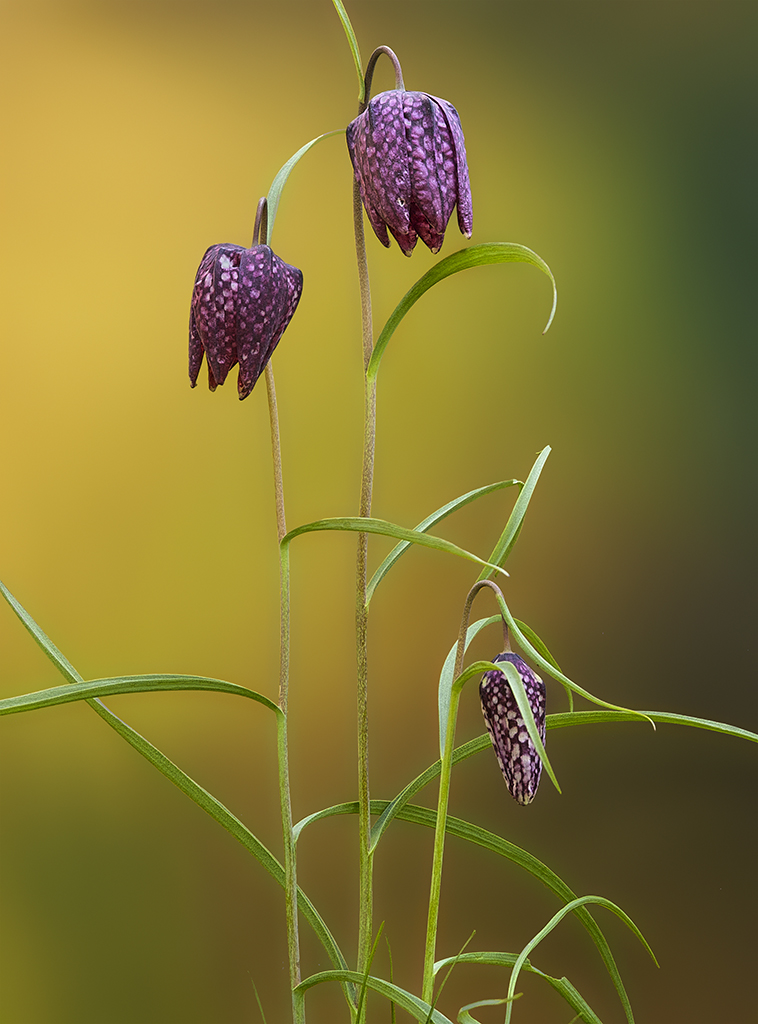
(290, 863)
(361, 603)
(443, 798)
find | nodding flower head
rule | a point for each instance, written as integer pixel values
(409, 159)
(519, 762)
(242, 301)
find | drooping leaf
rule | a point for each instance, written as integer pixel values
(464, 1017)
(357, 524)
(561, 985)
(512, 529)
(554, 920)
(416, 1007)
(489, 841)
(426, 524)
(473, 256)
(87, 690)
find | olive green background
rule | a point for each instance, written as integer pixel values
(617, 139)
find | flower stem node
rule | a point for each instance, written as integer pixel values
(242, 302)
(519, 761)
(409, 159)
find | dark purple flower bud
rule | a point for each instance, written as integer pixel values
(242, 301)
(519, 762)
(409, 159)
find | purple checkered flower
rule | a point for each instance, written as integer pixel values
(519, 762)
(409, 159)
(242, 301)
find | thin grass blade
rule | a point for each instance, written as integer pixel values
(416, 1007)
(352, 42)
(473, 256)
(356, 524)
(445, 686)
(464, 1017)
(41, 638)
(91, 688)
(512, 529)
(426, 524)
(489, 841)
(280, 180)
(555, 920)
(561, 985)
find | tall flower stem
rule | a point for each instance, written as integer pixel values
(361, 573)
(361, 606)
(443, 798)
(282, 749)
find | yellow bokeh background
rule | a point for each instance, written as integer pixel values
(137, 525)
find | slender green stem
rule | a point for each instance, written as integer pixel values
(290, 863)
(443, 798)
(361, 573)
(361, 604)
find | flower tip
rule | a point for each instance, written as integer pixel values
(435, 250)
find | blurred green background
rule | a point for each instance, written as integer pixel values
(614, 138)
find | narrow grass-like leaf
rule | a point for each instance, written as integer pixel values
(426, 524)
(517, 689)
(187, 785)
(280, 180)
(551, 670)
(489, 841)
(258, 1001)
(416, 1007)
(561, 985)
(92, 688)
(556, 919)
(512, 529)
(464, 1017)
(353, 44)
(446, 675)
(455, 960)
(356, 524)
(229, 821)
(41, 638)
(473, 256)
(561, 721)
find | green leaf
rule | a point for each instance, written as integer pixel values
(446, 676)
(125, 684)
(187, 785)
(275, 192)
(517, 689)
(358, 524)
(416, 1007)
(63, 665)
(554, 920)
(473, 256)
(227, 820)
(489, 841)
(512, 529)
(464, 1017)
(353, 44)
(560, 721)
(561, 985)
(435, 517)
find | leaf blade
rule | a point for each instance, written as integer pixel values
(473, 256)
(281, 176)
(416, 1007)
(425, 524)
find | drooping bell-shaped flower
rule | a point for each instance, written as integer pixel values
(409, 158)
(242, 301)
(519, 762)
